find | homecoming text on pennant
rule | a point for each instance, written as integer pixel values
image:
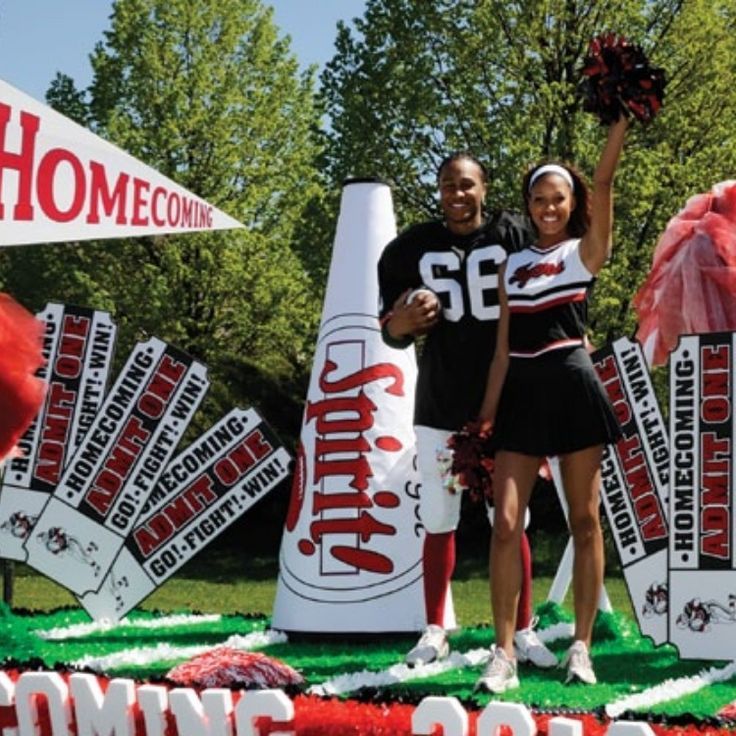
(702, 578)
(78, 348)
(635, 482)
(61, 182)
(109, 478)
(201, 493)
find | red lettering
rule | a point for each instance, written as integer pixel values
(359, 405)
(60, 400)
(607, 369)
(161, 386)
(715, 524)
(186, 213)
(100, 195)
(330, 446)
(140, 189)
(158, 220)
(68, 366)
(179, 511)
(326, 501)
(363, 559)
(715, 489)
(608, 373)
(715, 358)
(257, 444)
(54, 435)
(173, 209)
(76, 325)
(50, 458)
(47, 190)
(200, 493)
(117, 467)
(715, 453)
(639, 482)
(150, 537)
(190, 501)
(649, 514)
(715, 384)
(229, 470)
(359, 468)
(364, 525)
(100, 500)
(171, 369)
(21, 162)
(362, 378)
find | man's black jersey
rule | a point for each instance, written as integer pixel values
(463, 272)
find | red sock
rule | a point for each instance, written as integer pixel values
(438, 564)
(524, 609)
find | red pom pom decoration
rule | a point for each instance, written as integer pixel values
(228, 667)
(21, 393)
(618, 80)
(471, 468)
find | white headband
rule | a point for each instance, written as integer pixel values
(551, 169)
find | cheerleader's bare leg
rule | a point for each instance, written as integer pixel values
(581, 480)
(514, 478)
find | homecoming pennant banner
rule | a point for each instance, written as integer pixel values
(109, 478)
(200, 494)
(702, 574)
(60, 182)
(78, 349)
(635, 482)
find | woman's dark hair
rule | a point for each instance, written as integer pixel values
(458, 156)
(580, 216)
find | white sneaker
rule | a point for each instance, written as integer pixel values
(499, 674)
(528, 647)
(579, 664)
(431, 646)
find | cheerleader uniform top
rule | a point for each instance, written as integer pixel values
(552, 401)
(548, 299)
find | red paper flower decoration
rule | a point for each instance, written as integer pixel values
(21, 393)
(228, 667)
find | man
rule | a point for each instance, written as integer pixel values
(441, 279)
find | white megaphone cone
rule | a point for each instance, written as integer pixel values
(352, 546)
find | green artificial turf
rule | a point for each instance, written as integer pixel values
(625, 662)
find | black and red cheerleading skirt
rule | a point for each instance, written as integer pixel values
(21, 392)
(553, 404)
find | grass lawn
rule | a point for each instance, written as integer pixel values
(230, 585)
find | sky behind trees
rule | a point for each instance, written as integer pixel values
(40, 37)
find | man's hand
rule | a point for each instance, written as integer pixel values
(414, 313)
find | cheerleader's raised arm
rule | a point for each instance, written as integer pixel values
(596, 244)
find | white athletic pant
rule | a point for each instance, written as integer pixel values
(439, 509)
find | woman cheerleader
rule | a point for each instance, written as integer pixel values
(544, 397)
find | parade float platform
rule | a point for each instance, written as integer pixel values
(358, 685)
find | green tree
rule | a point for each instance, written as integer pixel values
(416, 80)
(210, 95)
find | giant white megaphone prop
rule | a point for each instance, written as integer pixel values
(351, 551)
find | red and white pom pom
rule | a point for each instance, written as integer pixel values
(21, 392)
(471, 468)
(619, 80)
(228, 667)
